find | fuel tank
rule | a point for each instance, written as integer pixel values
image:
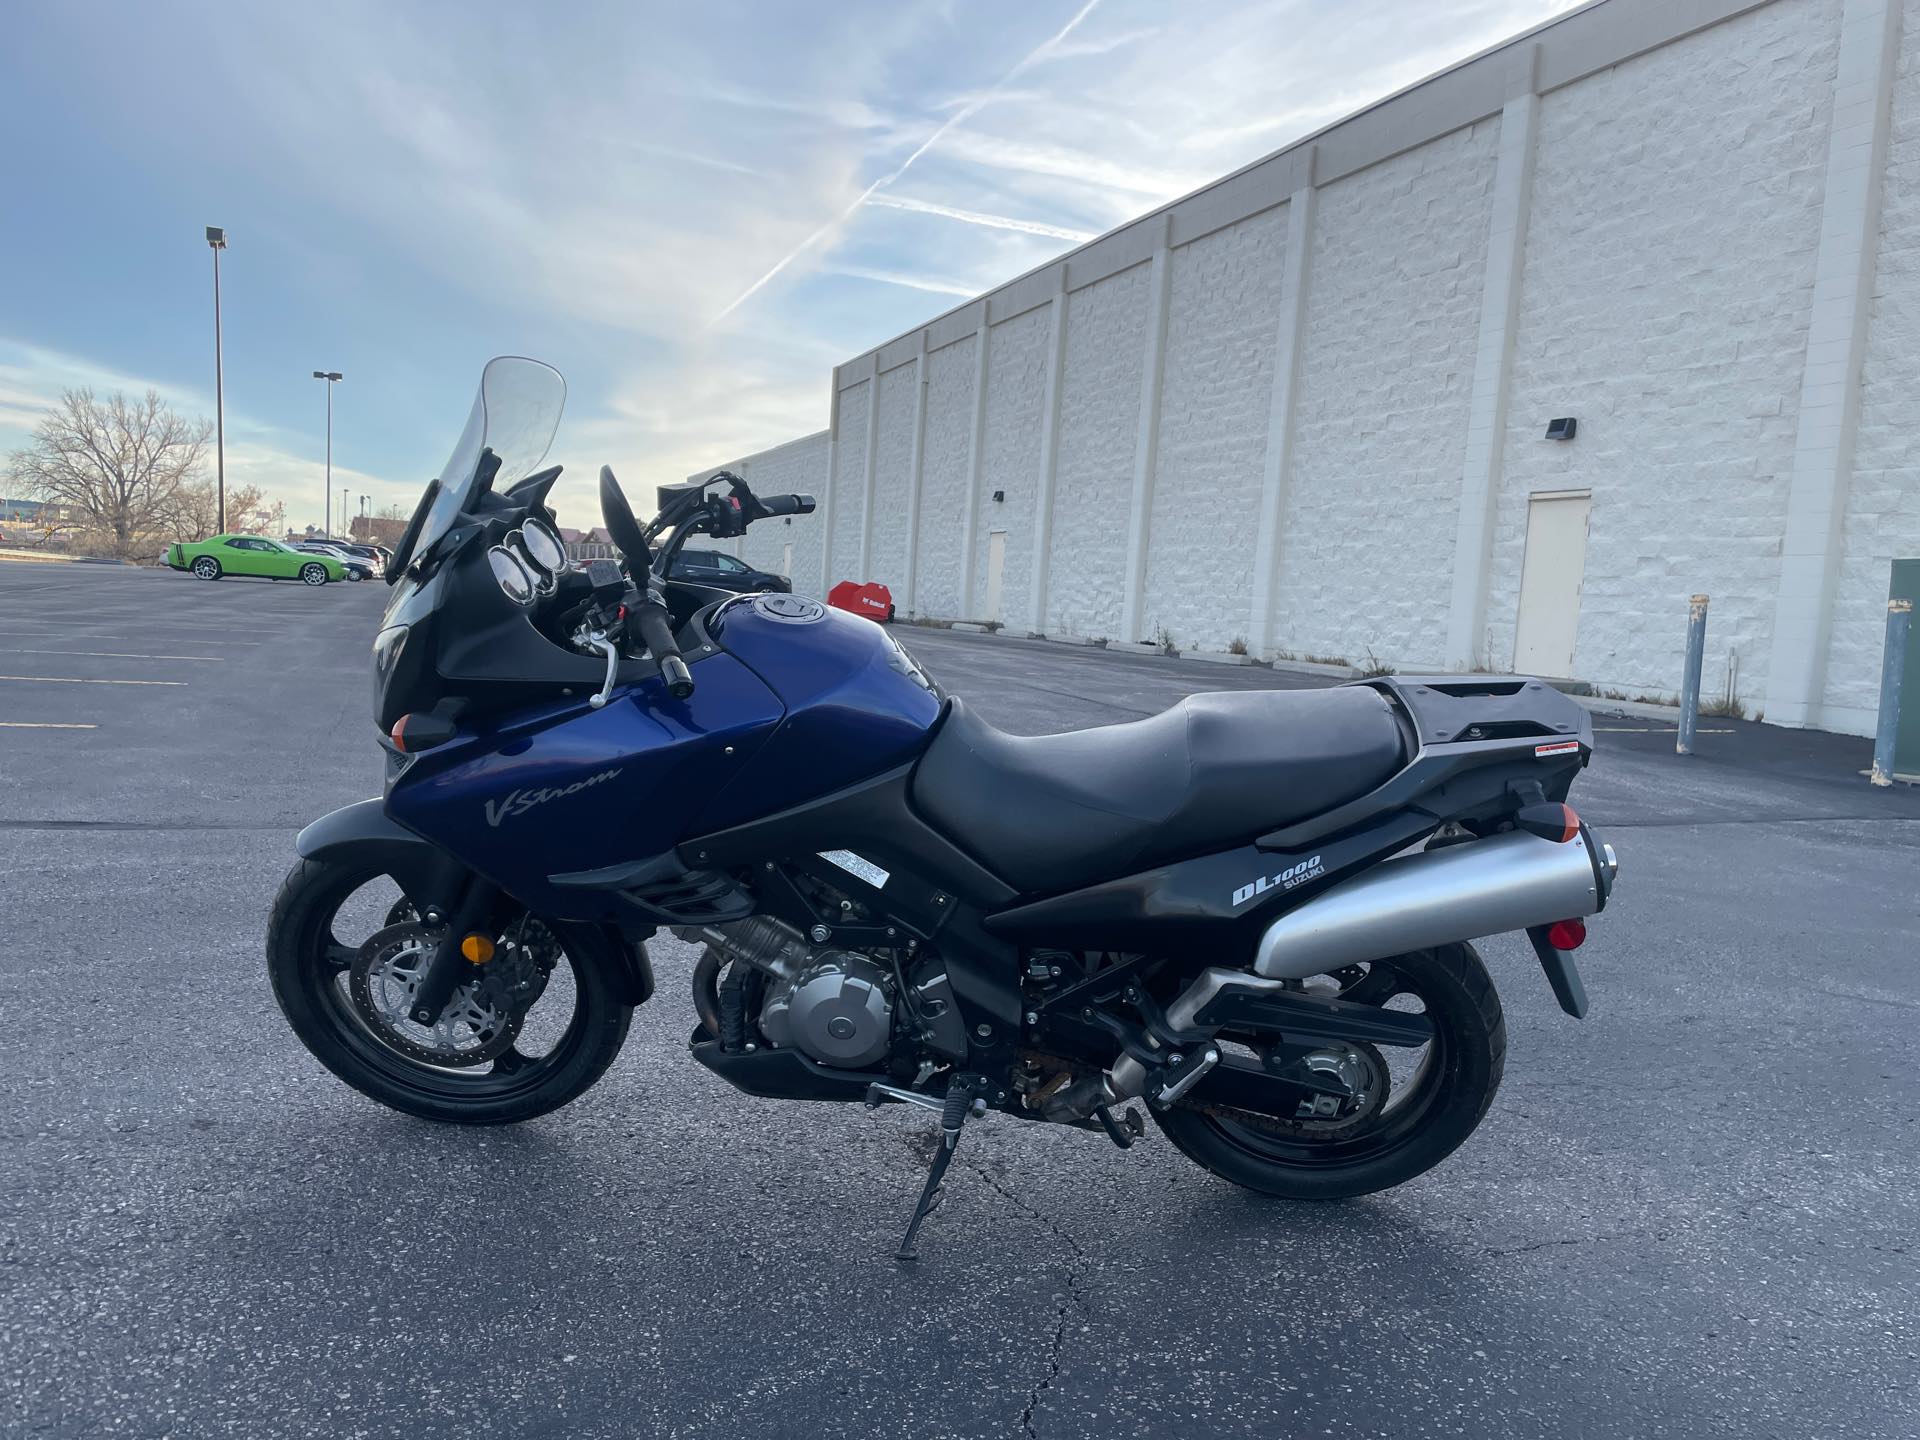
(856, 703)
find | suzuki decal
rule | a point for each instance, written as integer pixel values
(1288, 878)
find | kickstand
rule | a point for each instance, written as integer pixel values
(1122, 1132)
(953, 1114)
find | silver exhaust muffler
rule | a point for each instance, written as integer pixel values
(1437, 897)
(1512, 881)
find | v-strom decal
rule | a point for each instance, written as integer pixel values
(521, 801)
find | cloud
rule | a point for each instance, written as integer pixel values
(33, 377)
(669, 202)
(952, 122)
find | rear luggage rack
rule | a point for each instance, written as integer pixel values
(1468, 735)
(1446, 709)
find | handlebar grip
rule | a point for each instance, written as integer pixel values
(788, 504)
(679, 679)
(656, 633)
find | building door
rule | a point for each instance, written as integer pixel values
(1550, 580)
(786, 560)
(996, 567)
(1906, 739)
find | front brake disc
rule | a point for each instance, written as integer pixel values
(387, 972)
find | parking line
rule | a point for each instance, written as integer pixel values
(106, 654)
(77, 680)
(43, 635)
(43, 725)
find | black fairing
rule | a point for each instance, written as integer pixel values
(464, 639)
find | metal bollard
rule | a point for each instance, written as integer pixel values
(1690, 684)
(1892, 672)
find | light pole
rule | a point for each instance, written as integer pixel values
(217, 241)
(326, 495)
(343, 510)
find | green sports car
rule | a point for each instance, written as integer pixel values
(252, 555)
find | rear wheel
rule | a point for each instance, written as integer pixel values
(313, 574)
(345, 951)
(1413, 1107)
(207, 568)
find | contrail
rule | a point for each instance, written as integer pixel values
(965, 112)
(977, 217)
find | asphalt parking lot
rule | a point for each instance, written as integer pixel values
(1693, 1213)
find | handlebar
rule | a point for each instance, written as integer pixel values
(655, 628)
(787, 504)
(685, 510)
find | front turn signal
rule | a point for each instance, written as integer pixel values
(414, 733)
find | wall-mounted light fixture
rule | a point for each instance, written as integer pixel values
(998, 496)
(1563, 428)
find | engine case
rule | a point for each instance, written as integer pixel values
(838, 1008)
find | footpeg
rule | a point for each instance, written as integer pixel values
(958, 1107)
(1184, 1072)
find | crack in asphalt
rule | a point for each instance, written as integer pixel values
(1074, 1298)
(1572, 1240)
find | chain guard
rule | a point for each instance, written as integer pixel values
(472, 1029)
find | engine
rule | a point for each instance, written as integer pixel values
(835, 1006)
(837, 1009)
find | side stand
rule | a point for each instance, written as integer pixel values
(954, 1113)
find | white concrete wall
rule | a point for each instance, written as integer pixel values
(945, 470)
(1882, 517)
(1392, 316)
(1223, 309)
(1099, 399)
(1304, 407)
(1664, 302)
(1010, 457)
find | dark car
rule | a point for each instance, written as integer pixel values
(724, 572)
(357, 567)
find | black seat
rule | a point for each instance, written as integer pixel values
(1055, 812)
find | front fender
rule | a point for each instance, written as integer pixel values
(430, 876)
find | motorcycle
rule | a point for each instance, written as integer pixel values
(1249, 916)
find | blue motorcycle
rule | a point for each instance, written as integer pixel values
(1249, 915)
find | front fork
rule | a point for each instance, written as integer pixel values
(449, 965)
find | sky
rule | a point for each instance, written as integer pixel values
(694, 211)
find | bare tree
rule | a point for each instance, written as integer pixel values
(118, 464)
(194, 511)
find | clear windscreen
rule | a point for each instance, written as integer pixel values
(515, 415)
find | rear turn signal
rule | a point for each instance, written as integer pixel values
(1567, 934)
(1550, 820)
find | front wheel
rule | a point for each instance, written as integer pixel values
(1409, 1112)
(344, 953)
(314, 574)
